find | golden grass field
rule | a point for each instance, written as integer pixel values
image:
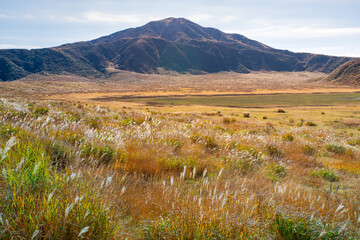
(87, 158)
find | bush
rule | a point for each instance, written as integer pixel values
(105, 154)
(335, 148)
(353, 142)
(308, 150)
(274, 151)
(310, 124)
(287, 137)
(41, 111)
(175, 143)
(226, 121)
(8, 130)
(210, 144)
(281, 110)
(326, 174)
(303, 229)
(276, 172)
(177, 163)
(246, 114)
(94, 122)
(196, 137)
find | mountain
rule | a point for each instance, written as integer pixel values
(348, 73)
(174, 44)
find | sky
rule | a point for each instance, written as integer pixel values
(318, 26)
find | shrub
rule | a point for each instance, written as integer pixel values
(104, 154)
(281, 110)
(246, 114)
(73, 116)
(274, 151)
(196, 137)
(276, 171)
(353, 142)
(287, 137)
(243, 164)
(264, 117)
(94, 122)
(59, 155)
(175, 143)
(252, 151)
(310, 124)
(8, 130)
(41, 111)
(326, 174)
(287, 227)
(210, 144)
(139, 120)
(177, 163)
(335, 148)
(308, 150)
(226, 121)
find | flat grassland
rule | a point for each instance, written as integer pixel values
(218, 156)
(247, 101)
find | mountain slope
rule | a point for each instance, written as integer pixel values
(174, 44)
(348, 73)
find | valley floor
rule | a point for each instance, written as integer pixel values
(114, 160)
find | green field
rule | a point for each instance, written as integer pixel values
(253, 101)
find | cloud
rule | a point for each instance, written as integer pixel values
(102, 17)
(95, 16)
(349, 51)
(308, 32)
(229, 19)
(12, 46)
(3, 15)
(199, 17)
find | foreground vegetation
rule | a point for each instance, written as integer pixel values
(69, 171)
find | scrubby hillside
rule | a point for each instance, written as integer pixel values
(348, 73)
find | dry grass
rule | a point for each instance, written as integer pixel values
(74, 168)
(78, 170)
(127, 82)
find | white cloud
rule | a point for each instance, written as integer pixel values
(95, 16)
(229, 19)
(290, 32)
(349, 51)
(3, 15)
(103, 17)
(199, 17)
(12, 46)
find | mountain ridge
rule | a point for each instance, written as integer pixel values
(174, 44)
(348, 73)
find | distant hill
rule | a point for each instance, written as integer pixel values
(173, 44)
(348, 73)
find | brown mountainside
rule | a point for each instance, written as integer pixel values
(174, 44)
(348, 73)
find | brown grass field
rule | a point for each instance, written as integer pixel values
(92, 159)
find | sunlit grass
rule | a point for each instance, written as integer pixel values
(94, 172)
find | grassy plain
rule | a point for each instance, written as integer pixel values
(249, 100)
(104, 164)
